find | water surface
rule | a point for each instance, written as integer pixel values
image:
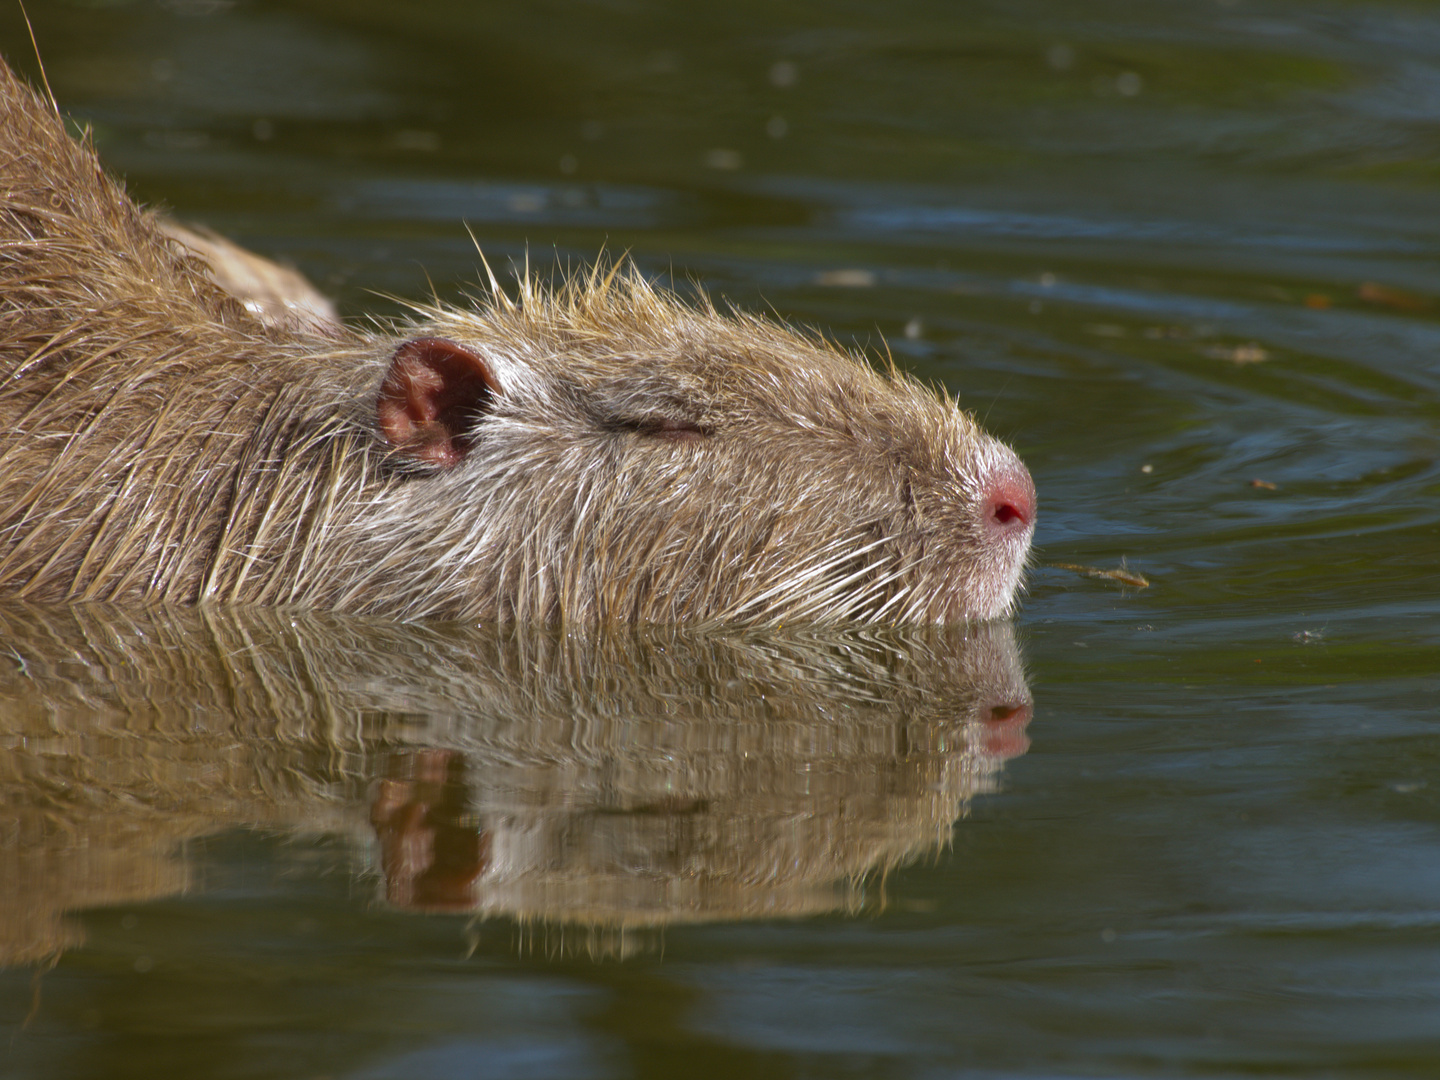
(1182, 255)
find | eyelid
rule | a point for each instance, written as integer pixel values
(671, 429)
(665, 425)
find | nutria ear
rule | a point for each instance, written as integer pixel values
(432, 395)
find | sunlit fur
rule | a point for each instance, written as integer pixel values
(158, 442)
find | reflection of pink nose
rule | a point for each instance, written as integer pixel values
(1004, 714)
(1005, 730)
(1010, 501)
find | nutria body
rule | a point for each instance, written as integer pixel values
(595, 453)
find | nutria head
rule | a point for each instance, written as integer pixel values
(604, 452)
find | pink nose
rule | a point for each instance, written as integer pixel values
(1010, 502)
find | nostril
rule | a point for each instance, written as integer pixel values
(1010, 502)
(1004, 504)
(1005, 513)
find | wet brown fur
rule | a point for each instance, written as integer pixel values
(158, 442)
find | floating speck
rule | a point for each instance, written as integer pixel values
(1122, 574)
(1249, 353)
(725, 159)
(847, 279)
(1129, 83)
(784, 73)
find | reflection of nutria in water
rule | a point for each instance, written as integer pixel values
(430, 855)
(629, 779)
(601, 453)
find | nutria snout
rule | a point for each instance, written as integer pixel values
(592, 453)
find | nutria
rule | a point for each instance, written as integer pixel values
(595, 452)
(276, 295)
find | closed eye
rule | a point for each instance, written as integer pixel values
(673, 430)
(668, 429)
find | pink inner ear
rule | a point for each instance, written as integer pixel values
(431, 398)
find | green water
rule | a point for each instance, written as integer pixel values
(1166, 249)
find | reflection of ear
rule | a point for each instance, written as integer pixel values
(431, 398)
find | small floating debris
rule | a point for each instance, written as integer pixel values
(724, 159)
(525, 202)
(1060, 56)
(1267, 485)
(1317, 301)
(784, 73)
(1249, 353)
(1372, 292)
(1123, 575)
(847, 279)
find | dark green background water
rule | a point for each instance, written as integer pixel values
(1167, 249)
